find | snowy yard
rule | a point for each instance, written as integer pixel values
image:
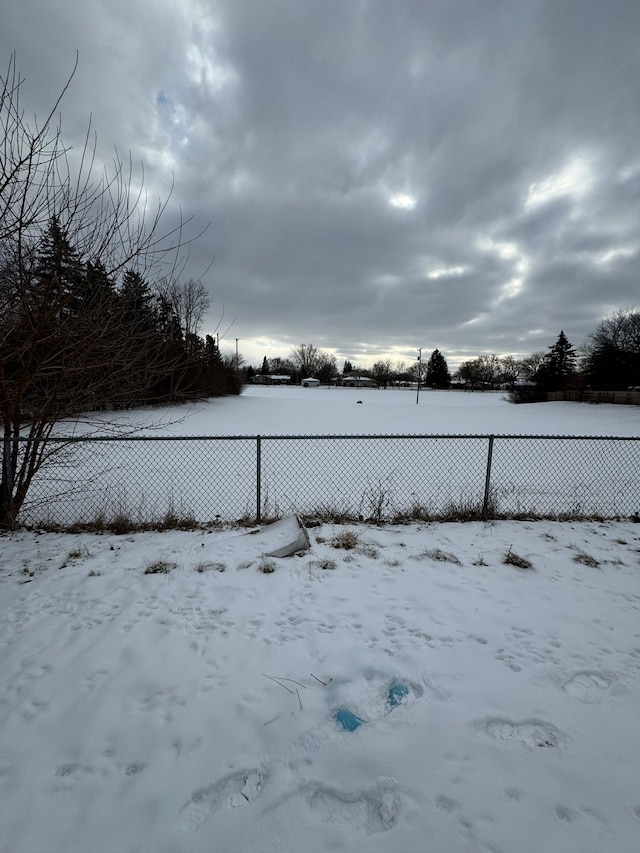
(160, 693)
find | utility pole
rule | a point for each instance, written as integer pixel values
(237, 363)
(419, 374)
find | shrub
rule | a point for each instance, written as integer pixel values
(586, 559)
(324, 563)
(378, 498)
(122, 524)
(513, 559)
(440, 556)
(160, 567)
(527, 394)
(346, 539)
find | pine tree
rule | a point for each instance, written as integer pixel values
(437, 375)
(168, 321)
(59, 274)
(136, 300)
(265, 367)
(212, 352)
(559, 364)
(99, 289)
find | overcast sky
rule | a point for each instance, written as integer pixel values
(378, 176)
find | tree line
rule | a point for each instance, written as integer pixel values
(77, 338)
(307, 360)
(609, 360)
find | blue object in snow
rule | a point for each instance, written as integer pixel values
(347, 721)
(397, 692)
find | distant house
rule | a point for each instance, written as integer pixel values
(310, 383)
(270, 379)
(356, 381)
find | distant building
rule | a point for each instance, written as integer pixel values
(357, 381)
(270, 379)
(310, 383)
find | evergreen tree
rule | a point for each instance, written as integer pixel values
(347, 367)
(212, 352)
(167, 320)
(559, 364)
(136, 300)
(99, 289)
(59, 273)
(265, 367)
(437, 375)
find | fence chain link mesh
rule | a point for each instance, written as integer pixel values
(170, 481)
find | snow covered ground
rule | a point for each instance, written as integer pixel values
(169, 693)
(200, 479)
(284, 410)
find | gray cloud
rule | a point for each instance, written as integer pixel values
(377, 176)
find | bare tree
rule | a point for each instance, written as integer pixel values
(25, 198)
(381, 371)
(307, 359)
(511, 369)
(489, 366)
(531, 364)
(189, 301)
(327, 367)
(66, 233)
(481, 371)
(612, 351)
(469, 372)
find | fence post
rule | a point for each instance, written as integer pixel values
(487, 480)
(7, 473)
(258, 476)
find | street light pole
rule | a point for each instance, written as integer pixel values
(419, 373)
(237, 363)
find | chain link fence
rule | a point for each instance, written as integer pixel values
(156, 481)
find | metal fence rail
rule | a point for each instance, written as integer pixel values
(155, 480)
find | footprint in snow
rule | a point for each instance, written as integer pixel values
(588, 685)
(67, 776)
(528, 732)
(368, 811)
(238, 789)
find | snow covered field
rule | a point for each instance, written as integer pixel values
(162, 693)
(283, 410)
(219, 479)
